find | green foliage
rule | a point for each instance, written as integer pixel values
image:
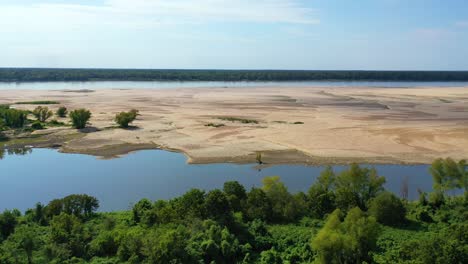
(8, 221)
(236, 195)
(241, 120)
(356, 186)
(38, 102)
(79, 205)
(13, 118)
(283, 205)
(123, 119)
(214, 125)
(37, 125)
(349, 241)
(62, 111)
(449, 174)
(42, 113)
(258, 206)
(321, 195)
(388, 209)
(80, 118)
(55, 123)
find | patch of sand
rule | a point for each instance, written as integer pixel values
(340, 125)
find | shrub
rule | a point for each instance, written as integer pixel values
(125, 118)
(80, 117)
(42, 113)
(13, 118)
(387, 209)
(62, 111)
(37, 125)
(54, 122)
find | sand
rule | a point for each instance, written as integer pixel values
(333, 125)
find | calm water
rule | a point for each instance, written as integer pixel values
(162, 85)
(45, 174)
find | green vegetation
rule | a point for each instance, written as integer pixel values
(37, 125)
(123, 119)
(12, 118)
(62, 111)
(55, 123)
(344, 218)
(214, 125)
(237, 119)
(40, 75)
(80, 118)
(38, 102)
(298, 123)
(42, 113)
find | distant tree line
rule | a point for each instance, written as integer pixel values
(52, 75)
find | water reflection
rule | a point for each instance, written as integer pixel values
(14, 151)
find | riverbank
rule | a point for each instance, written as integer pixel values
(310, 125)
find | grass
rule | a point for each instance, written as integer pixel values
(242, 120)
(55, 123)
(38, 102)
(214, 125)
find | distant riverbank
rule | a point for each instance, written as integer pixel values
(97, 85)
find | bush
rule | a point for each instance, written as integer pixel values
(42, 113)
(80, 118)
(62, 111)
(125, 118)
(37, 125)
(387, 209)
(13, 118)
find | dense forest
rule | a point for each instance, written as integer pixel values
(43, 74)
(345, 217)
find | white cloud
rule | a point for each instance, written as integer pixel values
(150, 13)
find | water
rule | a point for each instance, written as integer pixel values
(195, 84)
(44, 174)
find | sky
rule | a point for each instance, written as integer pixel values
(235, 34)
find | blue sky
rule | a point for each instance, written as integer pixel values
(236, 34)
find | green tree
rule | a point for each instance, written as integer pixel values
(42, 113)
(258, 206)
(284, 205)
(191, 205)
(8, 222)
(321, 198)
(356, 186)
(236, 194)
(388, 209)
(123, 119)
(348, 241)
(217, 206)
(80, 118)
(13, 118)
(141, 210)
(449, 174)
